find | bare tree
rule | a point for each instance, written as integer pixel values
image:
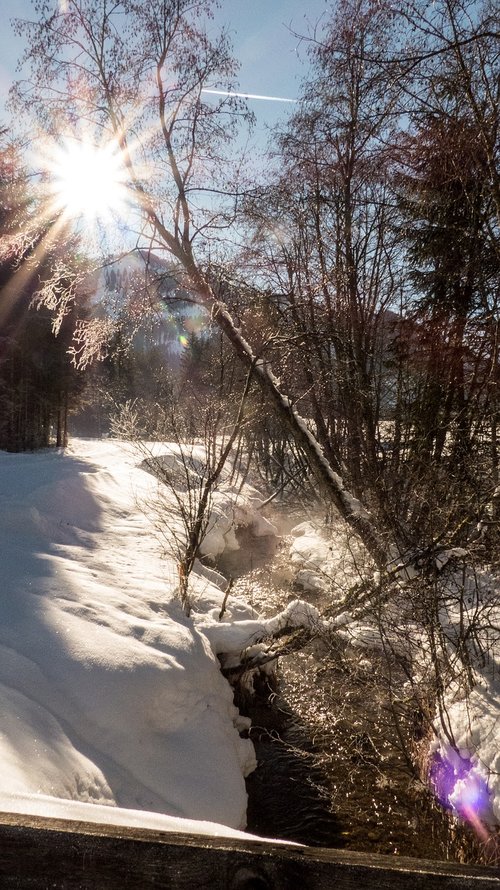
(192, 471)
(326, 239)
(136, 72)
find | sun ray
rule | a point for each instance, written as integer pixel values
(27, 269)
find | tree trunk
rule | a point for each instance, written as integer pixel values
(329, 482)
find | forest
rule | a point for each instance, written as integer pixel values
(323, 321)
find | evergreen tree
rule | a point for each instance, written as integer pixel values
(38, 383)
(449, 335)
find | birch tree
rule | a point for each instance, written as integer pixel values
(136, 73)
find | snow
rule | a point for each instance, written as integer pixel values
(238, 636)
(325, 560)
(471, 605)
(112, 704)
(475, 726)
(77, 811)
(227, 510)
(227, 514)
(464, 755)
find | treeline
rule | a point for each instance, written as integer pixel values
(363, 295)
(39, 385)
(376, 251)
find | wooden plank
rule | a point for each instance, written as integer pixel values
(46, 853)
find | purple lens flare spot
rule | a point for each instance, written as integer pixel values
(459, 787)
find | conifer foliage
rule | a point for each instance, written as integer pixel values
(38, 384)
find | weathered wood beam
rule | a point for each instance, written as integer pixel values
(45, 853)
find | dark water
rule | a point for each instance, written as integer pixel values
(287, 794)
(350, 787)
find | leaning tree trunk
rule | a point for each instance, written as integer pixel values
(329, 482)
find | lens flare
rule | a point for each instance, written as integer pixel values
(460, 787)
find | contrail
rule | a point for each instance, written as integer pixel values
(246, 95)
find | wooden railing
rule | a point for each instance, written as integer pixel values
(46, 853)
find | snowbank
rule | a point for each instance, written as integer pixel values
(76, 811)
(235, 637)
(466, 774)
(109, 696)
(325, 561)
(228, 510)
(465, 756)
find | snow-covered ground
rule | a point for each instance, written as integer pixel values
(112, 704)
(464, 755)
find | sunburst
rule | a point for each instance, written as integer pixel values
(87, 181)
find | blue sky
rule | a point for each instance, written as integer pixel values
(273, 60)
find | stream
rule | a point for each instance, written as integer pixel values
(330, 771)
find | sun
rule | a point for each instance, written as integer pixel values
(88, 181)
